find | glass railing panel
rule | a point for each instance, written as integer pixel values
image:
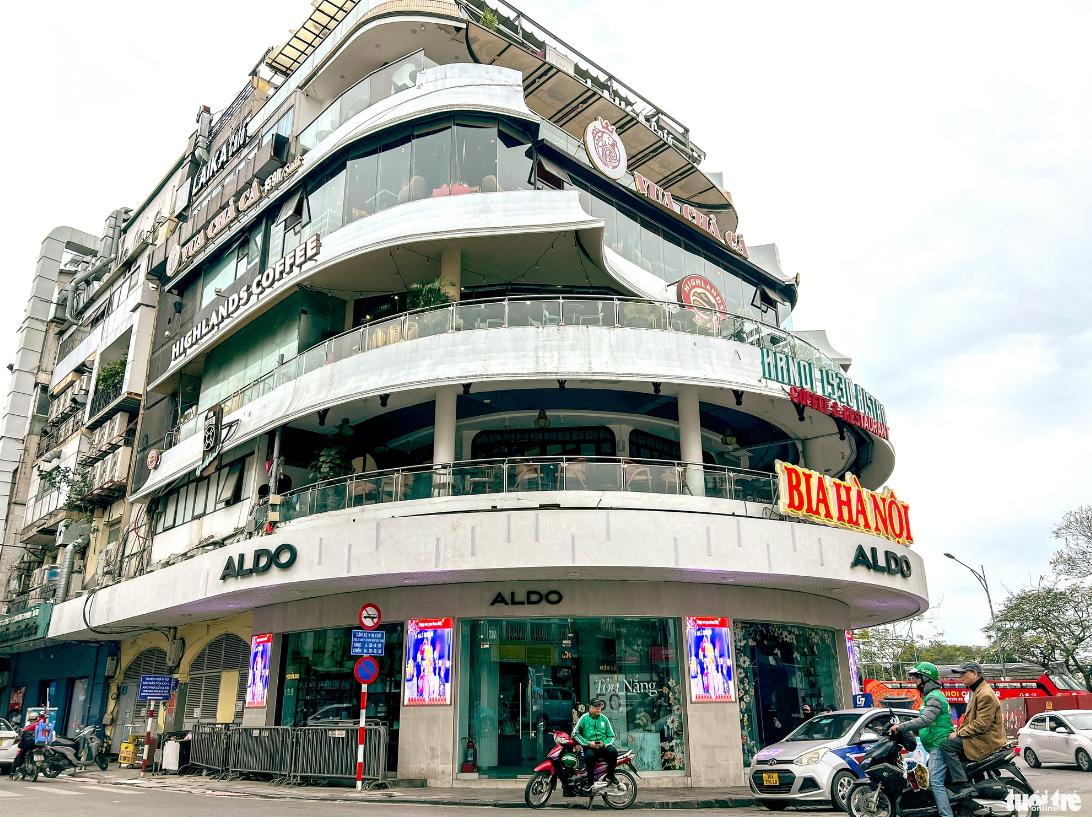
(315, 357)
(479, 316)
(534, 476)
(346, 345)
(718, 483)
(588, 313)
(415, 485)
(426, 324)
(385, 334)
(582, 475)
(649, 478)
(641, 316)
(468, 480)
(329, 498)
(188, 429)
(753, 488)
(286, 373)
(534, 313)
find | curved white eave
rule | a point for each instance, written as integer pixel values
(661, 538)
(449, 218)
(506, 356)
(458, 87)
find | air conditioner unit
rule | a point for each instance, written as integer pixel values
(96, 473)
(120, 422)
(122, 457)
(81, 387)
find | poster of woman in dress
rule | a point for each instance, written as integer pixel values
(708, 641)
(257, 682)
(428, 661)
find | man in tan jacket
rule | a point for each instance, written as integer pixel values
(982, 732)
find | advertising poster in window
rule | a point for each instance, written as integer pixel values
(708, 641)
(854, 679)
(428, 662)
(257, 682)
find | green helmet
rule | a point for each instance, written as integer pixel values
(925, 669)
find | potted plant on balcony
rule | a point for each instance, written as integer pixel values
(331, 462)
(110, 377)
(425, 294)
(641, 315)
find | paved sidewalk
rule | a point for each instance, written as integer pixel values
(647, 798)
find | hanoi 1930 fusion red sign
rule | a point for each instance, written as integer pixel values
(825, 405)
(845, 503)
(831, 383)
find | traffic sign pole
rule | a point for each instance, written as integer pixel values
(360, 738)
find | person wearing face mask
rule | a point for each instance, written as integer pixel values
(933, 725)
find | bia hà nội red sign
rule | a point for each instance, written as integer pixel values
(844, 503)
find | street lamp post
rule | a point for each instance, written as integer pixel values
(993, 619)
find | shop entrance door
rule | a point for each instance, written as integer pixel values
(532, 703)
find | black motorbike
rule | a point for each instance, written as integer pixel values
(890, 789)
(63, 754)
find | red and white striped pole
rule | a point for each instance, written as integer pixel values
(360, 738)
(147, 738)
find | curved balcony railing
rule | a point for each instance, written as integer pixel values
(466, 316)
(521, 474)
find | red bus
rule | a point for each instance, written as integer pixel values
(1023, 681)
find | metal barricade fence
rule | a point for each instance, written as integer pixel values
(261, 750)
(209, 745)
(330, 752)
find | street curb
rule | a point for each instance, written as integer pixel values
(283, 794)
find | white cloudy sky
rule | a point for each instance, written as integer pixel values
(925, 168)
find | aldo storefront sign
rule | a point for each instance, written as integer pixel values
(893, 563)
(530, 597)
(260, 561)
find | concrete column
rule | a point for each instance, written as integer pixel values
(443, 437)
(690, 439)
(451, 269)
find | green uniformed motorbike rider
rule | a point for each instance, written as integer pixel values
(933, 725)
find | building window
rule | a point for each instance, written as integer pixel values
(283, 127)
(317, 685)
(226, 486)
(593, 441)
(523, 678)
(643, 446)
(781, 667)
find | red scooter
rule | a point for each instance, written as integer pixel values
(563, 764)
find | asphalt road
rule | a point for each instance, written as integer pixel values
(59, 798)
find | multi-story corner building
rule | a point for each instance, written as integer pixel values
(453, 322)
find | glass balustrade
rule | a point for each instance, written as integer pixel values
(466, 316)
(391, 79)
(527, 474)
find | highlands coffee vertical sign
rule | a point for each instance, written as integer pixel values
(261, 284)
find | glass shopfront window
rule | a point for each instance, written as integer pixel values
(779, 668)
(524, 678)
(318, 686)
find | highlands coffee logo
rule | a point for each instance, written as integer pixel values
(605, 149)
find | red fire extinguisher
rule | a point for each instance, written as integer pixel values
(470, 757)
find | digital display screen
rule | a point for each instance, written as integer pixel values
(854, 678)
(428, 661)
(257, 682)
(709, 646)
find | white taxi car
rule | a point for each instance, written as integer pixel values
(9, 744)
(1058, 737)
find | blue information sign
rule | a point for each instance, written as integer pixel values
(369, 642)
(155, 688)
(862, 700)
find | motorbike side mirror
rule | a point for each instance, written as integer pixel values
(868, 736)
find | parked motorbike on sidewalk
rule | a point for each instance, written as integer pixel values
(73, 753)
(563, 764)
(891, 789)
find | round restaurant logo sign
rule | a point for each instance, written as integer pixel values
(173, 258)
(153, 459)
(605, 148)
(701, 295)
